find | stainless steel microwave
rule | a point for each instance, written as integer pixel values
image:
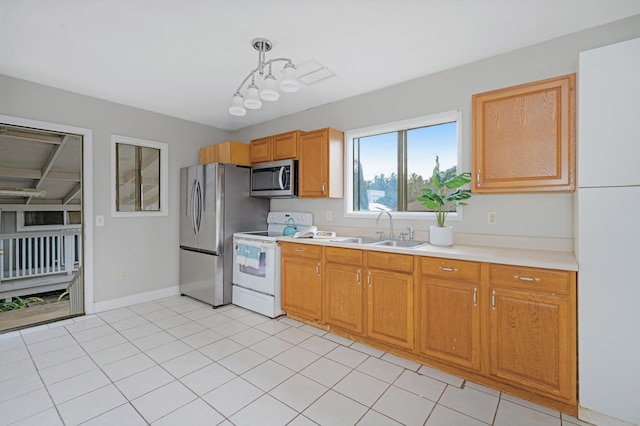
(275, 179)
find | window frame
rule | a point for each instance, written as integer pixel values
(164, 176)
(412, 123)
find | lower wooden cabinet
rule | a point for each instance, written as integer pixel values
(301, 280)
(344, 289)
(532, 329)
(449, 311)
(390, 307)
(510, 327)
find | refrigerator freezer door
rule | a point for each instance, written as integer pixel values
(191, 197)
(201, 277)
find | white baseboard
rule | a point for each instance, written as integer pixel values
(135, 299)
(597, 418)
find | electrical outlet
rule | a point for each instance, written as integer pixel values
(329, 215)
(99, 220)
(120, 276)
(492, 218)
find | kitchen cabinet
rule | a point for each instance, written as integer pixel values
(524, 137)
(532, 329)
(389, 279)
(273, 148)
(231, 152)
(301, 280)
(449, 311)
(321, 164)
(344, 289)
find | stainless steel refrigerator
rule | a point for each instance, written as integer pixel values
(214, 203)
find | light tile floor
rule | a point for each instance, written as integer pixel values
(176, 361)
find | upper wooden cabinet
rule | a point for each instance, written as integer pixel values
(226, 152)
(524, 137)
(320, 165)
(278, 147)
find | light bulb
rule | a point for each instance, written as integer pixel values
(289, 83)
(236, 107)
(269, 92)
(252, 101)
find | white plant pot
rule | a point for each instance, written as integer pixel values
(441, 236)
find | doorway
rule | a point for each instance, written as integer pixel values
(42, 246)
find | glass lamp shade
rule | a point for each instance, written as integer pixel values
(269, 92)
(289, 83)
(252, 101)
(236, 107)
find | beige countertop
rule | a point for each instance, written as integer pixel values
(561, 260)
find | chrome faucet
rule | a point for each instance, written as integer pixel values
(390, 222)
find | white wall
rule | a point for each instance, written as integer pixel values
(145, 249)
(532, 215)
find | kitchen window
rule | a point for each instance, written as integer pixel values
(139, 177)
(388, 165)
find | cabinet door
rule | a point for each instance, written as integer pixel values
(313, 164)
(285, 145)
(390, 307)
(449, 325)
(302, 287)
(343, 286)
(524, 137)
(530, 341)
(261, 150)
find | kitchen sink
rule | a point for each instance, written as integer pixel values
(402, 244)
(387, 243)
(362, 240)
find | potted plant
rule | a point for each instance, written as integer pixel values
(442, 195)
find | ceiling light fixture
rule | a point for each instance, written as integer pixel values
(269, 91)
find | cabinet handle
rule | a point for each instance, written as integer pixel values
(369, 279)
(447, 269)
(493, 299)
(475, 296)
(299, 250)
(358, 276)
(478, 177)
(323, 187)
(528, 279)
(318, 269)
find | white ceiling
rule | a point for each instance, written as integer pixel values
(185, 58)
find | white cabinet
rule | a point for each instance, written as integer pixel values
(608, 113)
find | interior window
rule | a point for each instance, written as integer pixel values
(139, 177)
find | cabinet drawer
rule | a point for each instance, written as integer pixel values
(389, 261)
(450, 269)
(301, 250)
(548, 280)
(343, 255)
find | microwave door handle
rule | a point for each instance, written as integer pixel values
(281, 177)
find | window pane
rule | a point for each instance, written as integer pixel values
(41, 218)
(376, 172)
(423, 144)
(126, 178)
(74, 217)
(150, 162)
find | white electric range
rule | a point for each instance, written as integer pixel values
(256, 282)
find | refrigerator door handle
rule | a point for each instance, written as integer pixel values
(196, 207)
